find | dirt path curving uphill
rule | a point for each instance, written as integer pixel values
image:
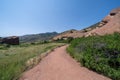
(58, 65)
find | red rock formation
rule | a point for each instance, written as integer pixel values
(109, 24)
(68, 34)
(11, 40)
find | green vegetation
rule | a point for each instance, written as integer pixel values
(99, 53)
(67, 40)
(13, 58)
(4, 46)
(37, 37)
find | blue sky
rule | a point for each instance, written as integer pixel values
(20, 17)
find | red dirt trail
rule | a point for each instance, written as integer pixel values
(58, 65)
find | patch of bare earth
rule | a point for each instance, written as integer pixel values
(58, 65)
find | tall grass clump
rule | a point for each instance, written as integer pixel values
(13, 60)
(99, 53)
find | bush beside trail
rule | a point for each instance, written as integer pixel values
(99, 53)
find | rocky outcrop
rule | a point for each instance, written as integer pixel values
(77, 33)
(109, 17)
(109, 25)
(0, 39)
(14, 40)
(68, 34)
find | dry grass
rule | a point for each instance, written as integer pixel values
(13, 59)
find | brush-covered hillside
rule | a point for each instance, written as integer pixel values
(38, 37)
(98, 53)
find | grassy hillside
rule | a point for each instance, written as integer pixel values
(13, 58)
(37, 37)
(99, 53)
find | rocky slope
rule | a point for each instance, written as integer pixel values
(70, 33)
(109, 25)
(76, 33)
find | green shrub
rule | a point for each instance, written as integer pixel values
(99, 53)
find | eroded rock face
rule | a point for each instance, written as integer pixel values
(110, 24)
(14, 40)
(115, 11)
(108, 18)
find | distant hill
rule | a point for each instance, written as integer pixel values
(38, 37)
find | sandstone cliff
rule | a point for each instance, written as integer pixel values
(108, 25)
